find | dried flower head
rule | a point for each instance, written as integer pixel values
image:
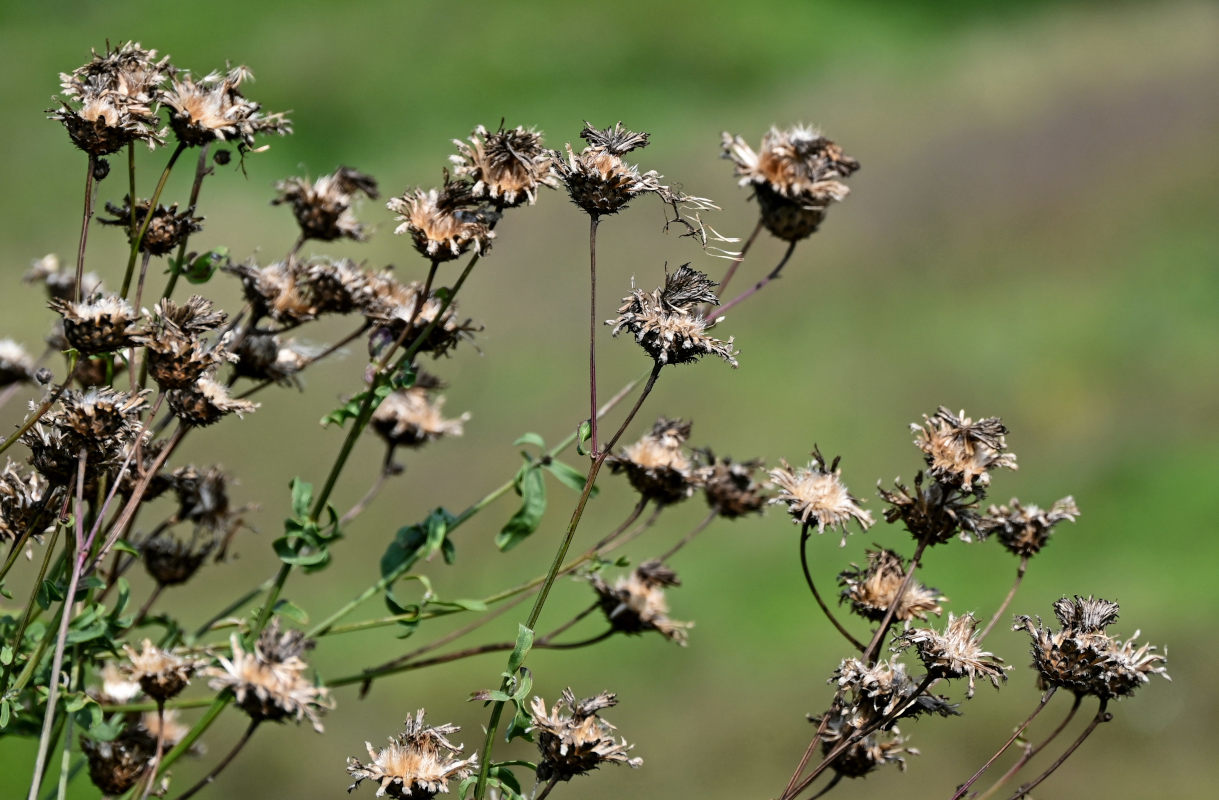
(16, 365)
(337, 286)
(417, 764)
(395, 305)
(22, 503)
(1024, 530)
(111, 101)
(172, 561)
(270, 683)
(729, 485)
(955, 653)
(636, 602)
(323, 208)
(100, 324)
(265, 357)
(412, 417)
(870, 590)
(214, 109)
(177, 356)
(160, 673)
(657, 465)
(666, 322)
(933, 512)
(169, 730)
(959, 451)
(166, 230)
(882, 694)
(118, 765)
(275, 291)
(573, 739)
(446, 222)
(206, 402)
(100, 421)
(816, 494)
(117, 686)
(795, 175)
(1083, 658)
(507, 166)
(870, 752)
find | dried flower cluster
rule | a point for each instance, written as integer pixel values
(955, 653)
(573, 739)
(816, 495)
(636, 602)
(417, 764)
(872, 589)
(658, 465)
(666, 322)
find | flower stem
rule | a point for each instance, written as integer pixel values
(1024, 565)
(207, 779)
(808, 578)
(38, 413)
(152, 205)
(736, 262)
(964, 788)
(84, 225)
(593, 221)
(201, 171)
(873, 649)
(689, 537)
(1032, 751)
(1102, 715)
(774, 273)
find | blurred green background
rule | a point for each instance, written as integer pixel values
(1032, 235)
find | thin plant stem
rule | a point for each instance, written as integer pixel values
(152, 205)
(198, 729)
(156, 757)
(131, 190)
(207, 779)
(329, 351)
(1030, 752)
(593, 221)
(689, 537)
(132, 708)
(550, 784)
(38, 413)
(757, 287)
(497, 708)
(202, 170)
(873, 649)
(139, 286)
(812, 746)
(1102, 715)
(964, 788)
(808, 578)
(65, 621)
(420, 299)
(86, 217)
(1011, 593)
(148, 604)
(383, 475)
(30, 604)
(736, 262)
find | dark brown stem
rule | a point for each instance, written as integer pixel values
(593, 221)
(207, 779)
(84, 225)
(812, 746)
(550, 784)
(1024, 565)
(1030, 752)
(139, 284)
(964, 788)
(873, 650)
(626, 523)
(757, 287)
(689, 537)
(1102, 715)
(808, 578)
(833, 782)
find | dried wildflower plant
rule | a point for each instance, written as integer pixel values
(659, 466)
(666, 322)
(572, 737)
(418, 763)
(323, 208)
(636, 602)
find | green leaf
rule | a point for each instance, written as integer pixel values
(6, 655)
(527, 519)
(583, 434)
(402, 379)
(524, 641)
(289, 554)
(437, 529)
(123, 546)
(351, 409)
(569, 476)
(530, 438)
(5, 713)
(292, 611)
(302, 497)
(468, 605)
(403, 551)
(518, 726)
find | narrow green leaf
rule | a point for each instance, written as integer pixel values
(524, 641)
(302, 497)
(583, 434)
(531, 438)
(569, 476)
(292, 611)
(527, 519)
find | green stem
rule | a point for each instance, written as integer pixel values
(195, 732)
(152, 205)
(84, 225)
(207, 779)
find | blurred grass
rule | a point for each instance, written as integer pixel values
(1032, 235)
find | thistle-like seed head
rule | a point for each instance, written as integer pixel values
(666, 322)
(446, 222)
(658, 465)
(816, 494)
(507, 167)
(417, 764)
(412, 417)
(960, 452)
(214, 109)
(573, 739)
(636, 602)
(323, 208)
(112, 100)
(1024, 530)
(99, 324)
(206, 402)
(955, 653)
(160, 673)
(729, 486)
(870, 590)
(166, 230)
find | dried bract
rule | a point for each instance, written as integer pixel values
(214, 109)
(666, 322)
(172, 561)
(275, 291)
(1024, 530)
(412, 417)
(816, 495)
(961, 452)
(100, 324)
(657, 465)
(323, 208)
(99, 421)
(870, 590)
(22, 504)
(336, 286)
(417, 764)
(955, 653)
(265, 357)
(573, 739)
(870, 752)
(111, 101)
(166, 230)
(446, 222)
(116, 766)
(507, 166)
(177, 356)
(729, 486)
(160, 673)
(206, 403)
(636, 602)
(933, 512)
(395, 305)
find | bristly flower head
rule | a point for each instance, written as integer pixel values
(1083, 658)
(417, 764)
(336, 286)
(666, 322)
(959, 451)
(578, 741)
(933, 512)
(323, 208)
(446, 222)
(269, 683)
(277, 291)
(160, 673)
(729, 485)
(883, 693)
(116, 766)
(166, 230)
(213, 108)
(99, 324)
(206, 402)
(636, 602)
(955, 653)
(16, 365)
(507, 166)
(870, 752)
(412, 417)
(111, 101)
(177, 355)
(265, 357)
(21, 503)
(394, 305)
(657, 465)
(870, 590)
(816, 494)
(100, 421)
(796, 175)
(172, 561)
(1024, 530)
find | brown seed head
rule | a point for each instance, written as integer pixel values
(160, 673)
(265, 357)
(177, 356)
(658, 465)
(417, 764)
(933, 512)
(870, 752)
(816, 494)
(100, 421)
(507, 166)
(870, 590)
(116, 766)
(112, 100)
(61, 283)
(959, 451)
(1024, 530)
(166, 230)
(666, 322)
(573, 739)
(172, 561)
(636, 602)
(411, 418)
(336, 286)
(16, 365)
(214, 109)
(100, 324)
(323, 208)
(206, 402)
(955, 653)
(393, 306)
(446, 222)
(276, 291)
(21, 503)
(729, 486)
